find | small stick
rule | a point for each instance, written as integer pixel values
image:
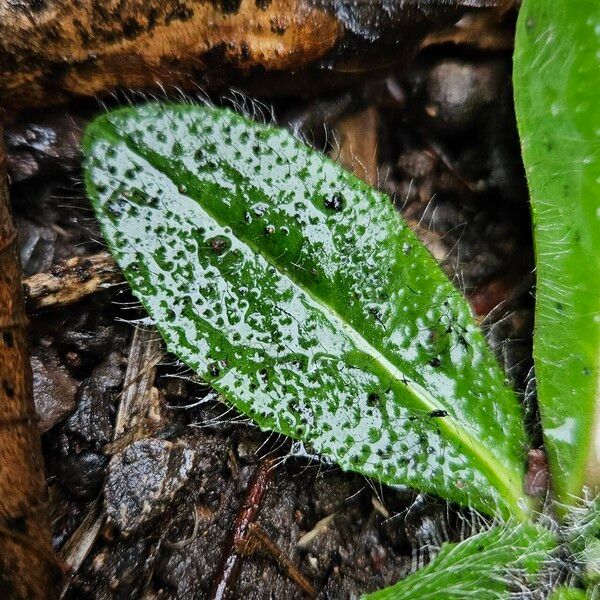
(28, 568)
(248, 537)
(259, 539)
(229, 569)
(70, 280)
(135, 405)
(77, 547)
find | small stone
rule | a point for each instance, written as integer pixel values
(37, 245)
(417, 164)
(82, 474)
(458, 92)
(92, 421)
(248, 448)
(53, 388)
(48, 146)
(143, 480)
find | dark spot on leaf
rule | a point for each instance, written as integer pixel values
(177, 149)
(433, 336)
(336, 202)
(219, 244)
(374, 310)
(373, 399)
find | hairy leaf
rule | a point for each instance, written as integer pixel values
(296, 291)
(487, 566)
(568, 593)
(557, 78)
(581, 531)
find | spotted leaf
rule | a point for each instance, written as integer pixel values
(296, 290)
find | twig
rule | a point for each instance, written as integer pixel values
(320, 527)
(77, 547)
(259, 539)
(228, 571)
(27, 565)
(70, 281)
(248, 537)
(145, 352)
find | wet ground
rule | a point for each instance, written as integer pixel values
(149, 470)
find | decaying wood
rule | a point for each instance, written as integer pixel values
(485, 31)
(137, 412)
(51, 50)
(28, 569)
(78, 546)
(134, 414)
(70, 281)
(356, 145)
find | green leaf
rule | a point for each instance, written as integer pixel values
(297, 291)
(556, 80)
(581, 532)
(487, 566)
(568, 593)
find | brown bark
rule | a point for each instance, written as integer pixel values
(61, 48)
(56, 49)
(27, 566)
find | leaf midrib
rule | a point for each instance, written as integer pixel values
(503, 479)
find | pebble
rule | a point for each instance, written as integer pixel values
(143, 480)
(53, 388)
(458, 93)
(92, 421)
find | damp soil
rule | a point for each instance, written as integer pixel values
(151, 515)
